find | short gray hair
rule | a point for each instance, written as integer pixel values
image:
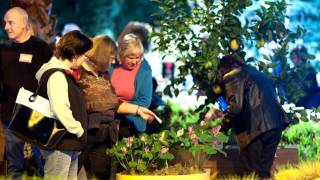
(21, 12)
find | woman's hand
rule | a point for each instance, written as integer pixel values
(145, 114)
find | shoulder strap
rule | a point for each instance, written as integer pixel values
(43, 79)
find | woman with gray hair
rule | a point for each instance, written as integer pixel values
(132, 81)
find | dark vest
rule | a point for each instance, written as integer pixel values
(70, 142)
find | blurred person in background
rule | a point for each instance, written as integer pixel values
(308, 83)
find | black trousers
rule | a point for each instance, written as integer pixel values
(97, 163)
(258, 156)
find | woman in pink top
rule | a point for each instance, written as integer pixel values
(132, 81)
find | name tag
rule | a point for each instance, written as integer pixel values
(26, 58)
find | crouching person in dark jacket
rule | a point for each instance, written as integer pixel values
(254, 114)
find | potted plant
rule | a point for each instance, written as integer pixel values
(153, 155)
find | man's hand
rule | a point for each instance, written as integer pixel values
(213, 114)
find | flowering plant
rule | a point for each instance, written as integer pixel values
(149, 153)
(141, 154)
(201, 140)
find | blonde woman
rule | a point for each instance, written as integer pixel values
(132, 81)
(102, 105)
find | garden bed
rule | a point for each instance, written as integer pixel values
(230, 165)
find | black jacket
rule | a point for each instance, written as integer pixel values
(253, 106)
(70, 142)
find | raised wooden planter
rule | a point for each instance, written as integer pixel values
(230, 165)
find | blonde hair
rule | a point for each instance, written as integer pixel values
(101, 52)
(129, 44)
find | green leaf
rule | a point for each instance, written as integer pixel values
(176, 92)
(167, 156)
(147, 156)
(269, 33)
(210, 150)
(221, 137)
(141, 167)
(167, 91)
(132, 164)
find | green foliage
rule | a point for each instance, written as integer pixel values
(178, 116)
(296, 80)
(220, 32)
(147, 153)
(305, 133)
(141, 154)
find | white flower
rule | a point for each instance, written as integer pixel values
(180, 132)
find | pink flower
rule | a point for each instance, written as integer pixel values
(194, 141)
(190, 130)
(215, 130)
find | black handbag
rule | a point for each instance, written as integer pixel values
(33, 122)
